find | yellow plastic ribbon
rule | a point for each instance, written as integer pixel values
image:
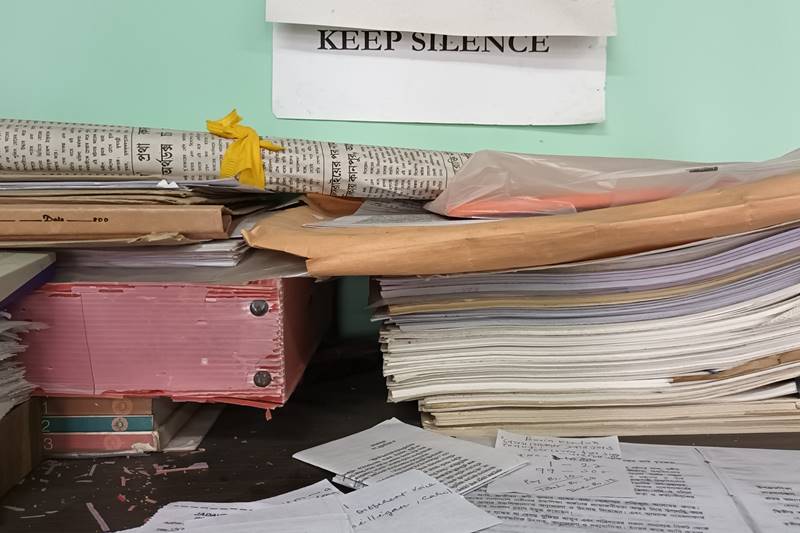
(243, 156)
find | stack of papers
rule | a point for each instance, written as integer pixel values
(222, 253)
(411, 501)
(14, 389)
(64, 213)
(698, 338)
(416, 481)
(19, 273)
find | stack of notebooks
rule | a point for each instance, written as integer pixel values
(76, 426)
(700, 338)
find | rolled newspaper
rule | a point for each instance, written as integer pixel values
(58, 151)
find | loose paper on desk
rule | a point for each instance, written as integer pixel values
(413, 501)
(590, 467)
(676, 491)
(178, 516)
(764, 483)
(392, 447)
(553, 72)
(323, 515)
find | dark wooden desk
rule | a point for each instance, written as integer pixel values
(248, 457)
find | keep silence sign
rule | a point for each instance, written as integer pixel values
(396, 75)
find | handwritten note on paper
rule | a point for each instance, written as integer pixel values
(676, 491)
(413, 501)
(392, 447)
(565, 467)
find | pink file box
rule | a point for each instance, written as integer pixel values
(244, 343)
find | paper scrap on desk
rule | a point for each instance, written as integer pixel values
(413, 501)
(179, 516)
(392, 447)
(765, 484)
(590, 467)
(675, 491)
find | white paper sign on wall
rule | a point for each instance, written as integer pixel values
(443, 61)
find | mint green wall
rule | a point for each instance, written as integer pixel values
(687, 79)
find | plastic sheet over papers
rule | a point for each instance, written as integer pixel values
(393, 447)
(500, 184)
(533, 241)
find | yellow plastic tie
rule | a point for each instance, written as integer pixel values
(243, 156)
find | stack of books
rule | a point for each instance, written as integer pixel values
(700, 338)
(79, 426)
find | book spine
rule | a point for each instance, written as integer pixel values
(66, 406)
(65, 443)
(96, 424)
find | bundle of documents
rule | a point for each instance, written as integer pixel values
(87, 155)
(221, 253)
(411, 480)
(409, 249)
(113, 214)
(700, 338)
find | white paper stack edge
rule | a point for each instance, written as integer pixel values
(701, 338)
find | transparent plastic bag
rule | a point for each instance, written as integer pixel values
(499, 184)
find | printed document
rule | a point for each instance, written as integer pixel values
(676, 491)
(392, 447)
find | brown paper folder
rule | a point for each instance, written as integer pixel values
(76, 221)
(531, 241)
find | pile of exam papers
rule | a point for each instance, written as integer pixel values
(14, 389)
(699, 338)
(411, 480)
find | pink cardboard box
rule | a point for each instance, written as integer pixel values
(236, 343)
